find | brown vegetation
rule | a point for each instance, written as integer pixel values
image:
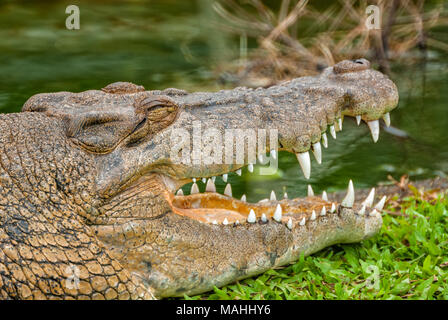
(300, 40)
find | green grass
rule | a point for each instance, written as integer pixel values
(407, 260)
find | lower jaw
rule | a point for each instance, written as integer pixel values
(213, 242)
(252, 248)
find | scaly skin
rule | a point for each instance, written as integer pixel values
(87, 182)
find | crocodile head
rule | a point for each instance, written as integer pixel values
(142, 146)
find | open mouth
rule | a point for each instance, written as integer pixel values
(214, 208)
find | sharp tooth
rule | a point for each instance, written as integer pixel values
(213, 179)
(324, 196)
(380, 205)
(363, 210)
(261, 158)
(313, 215)
(224, 177)
(215, 222)
(310, 191)
(340, 124)
(374, 213)
(285, 196)
(369, 200)
(243, 198)
(204, 180)
(323, 211)
(263, 200)
(273, 154)
(225, 222)
(349, 199)
(374, 127)
(194, 189)
(194, 180)
(317, 151)
(252, 217)
(278, 213)
(180, 192)
(302, 222)
(289, 224)
(333, 131)
(264, 218)
(210, 187)
(228, 190)
(336, 125)
(273, 197)
(358, 120)
(250, 167)
(386, 118)
(237, 222)
(238, 172)
(333, 208)
(325, 140)
(305, 163)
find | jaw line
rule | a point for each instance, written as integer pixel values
(213, 208)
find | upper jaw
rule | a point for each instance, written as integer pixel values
(304, 111)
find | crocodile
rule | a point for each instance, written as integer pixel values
(92, 202)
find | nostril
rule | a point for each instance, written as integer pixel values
(352, 65)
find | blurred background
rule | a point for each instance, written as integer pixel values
(209, 45)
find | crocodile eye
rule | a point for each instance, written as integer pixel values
(157, 113)
(158, 109)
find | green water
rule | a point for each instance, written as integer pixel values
(162, 44)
